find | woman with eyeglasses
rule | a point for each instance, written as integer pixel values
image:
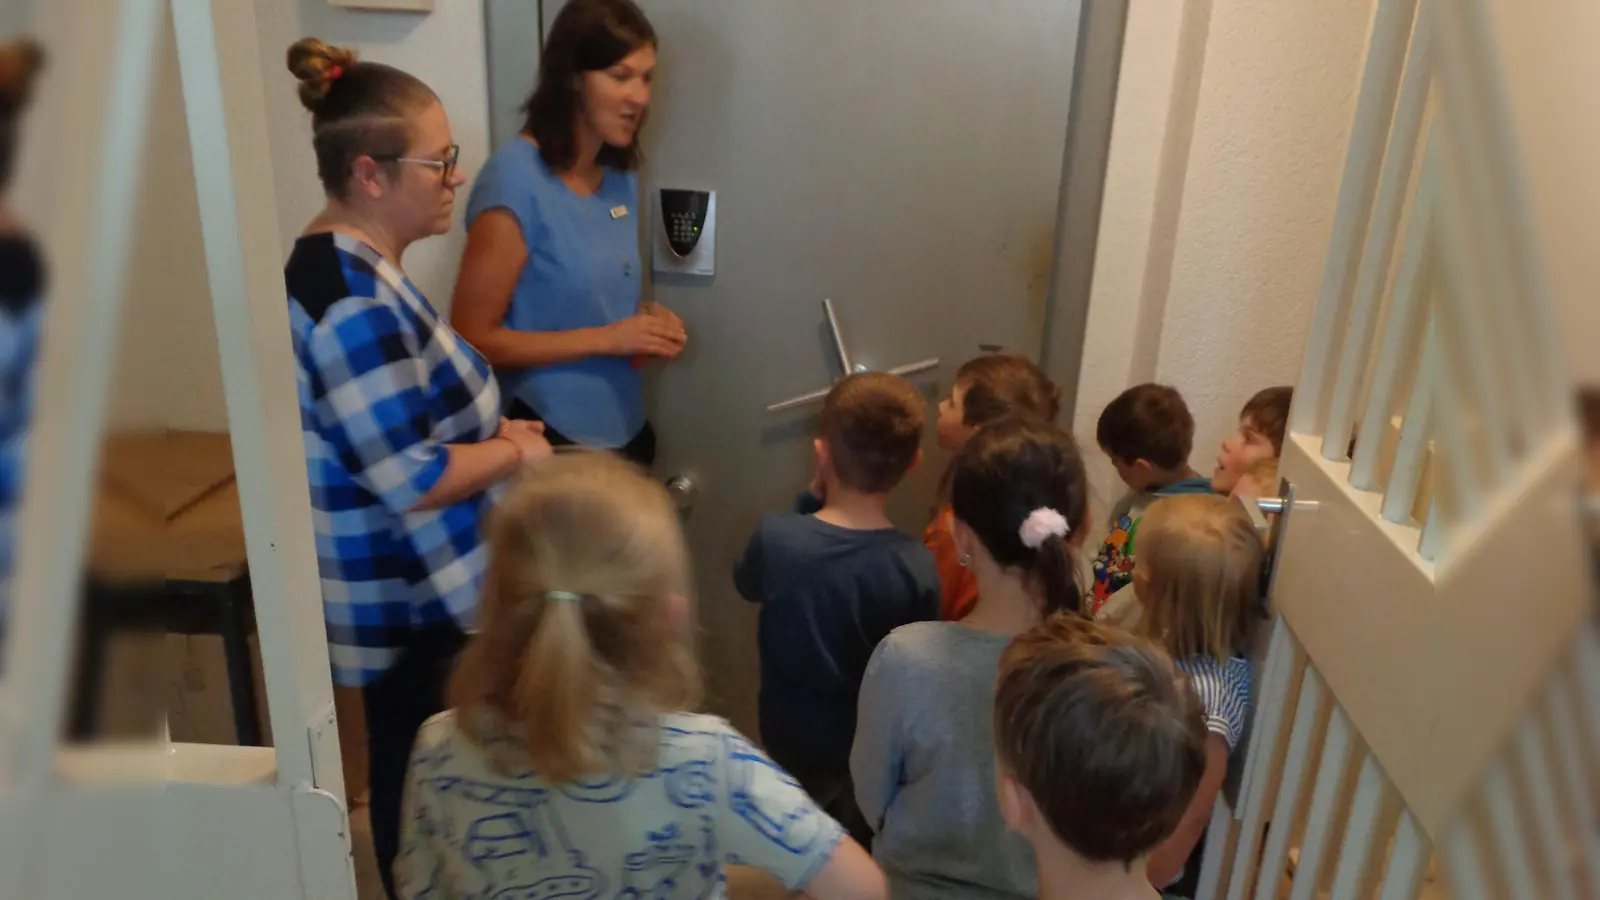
(405, 444)
(549, 288)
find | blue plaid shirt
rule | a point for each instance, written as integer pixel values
(384, 385)
(21, 315)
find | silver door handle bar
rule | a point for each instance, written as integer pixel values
(802, 400)
(914, 368)
(846, 366)
(838, 337)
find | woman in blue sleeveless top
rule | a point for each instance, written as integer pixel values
(550, 281)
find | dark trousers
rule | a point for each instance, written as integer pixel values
(396, 706)
(641, 449)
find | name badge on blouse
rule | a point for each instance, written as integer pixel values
(619, 212)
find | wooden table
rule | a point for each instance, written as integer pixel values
(167, 552)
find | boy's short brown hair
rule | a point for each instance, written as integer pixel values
(1268, 413)
(1104, 733)
(872, 423)
(1149, 422)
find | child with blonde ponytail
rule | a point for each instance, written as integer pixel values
(569, 763)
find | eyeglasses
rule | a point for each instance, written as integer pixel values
(446, 166)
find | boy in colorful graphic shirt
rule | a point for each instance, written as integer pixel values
(1148, 433)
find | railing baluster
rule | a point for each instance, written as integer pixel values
(1219, 834)
(1466, 334)
(1378, 250)
(1408, 859)
(1463, 865)
(1331, 771)
(1296, 766)
(1576, 785)
(1268, 744)
(1502, 357)
(1457, 456)
(1586, 665)
(1355, 851)
(1403, 334)
(1553, 381)
(1380, 76)
(1506, 826)
(1533, 763)
(1411, 453)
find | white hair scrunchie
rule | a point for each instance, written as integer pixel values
(1041, 525)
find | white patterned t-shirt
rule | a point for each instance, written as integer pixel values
(712, 798)
(1224, 689)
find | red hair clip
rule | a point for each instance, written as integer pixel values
(335, 72)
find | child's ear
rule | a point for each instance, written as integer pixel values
(1141, 579)
(1016, 806)
(966, 542)
(677, 613)
(820, 447)
(915, 461)
(1079, 535)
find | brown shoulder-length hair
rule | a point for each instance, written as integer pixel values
(587, 36)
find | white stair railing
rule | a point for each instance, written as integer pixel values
(164, 819)
(1428, 709)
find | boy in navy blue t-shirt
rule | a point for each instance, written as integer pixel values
(833, 579)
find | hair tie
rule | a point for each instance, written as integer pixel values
(1041, 525)
(563, 597)
(335, 72)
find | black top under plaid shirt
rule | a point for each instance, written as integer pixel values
(384, 385)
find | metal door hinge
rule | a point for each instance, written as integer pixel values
(322, 830)
(323, 737)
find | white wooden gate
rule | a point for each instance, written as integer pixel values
(163, 820)
(1428, 712)
(1432, 687)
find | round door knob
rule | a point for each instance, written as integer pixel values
(684, 490)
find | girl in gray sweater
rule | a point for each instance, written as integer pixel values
(923, 758)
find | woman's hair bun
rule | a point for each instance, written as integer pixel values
(317, 65)
(20, 62)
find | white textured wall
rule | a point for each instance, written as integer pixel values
(444, 48)
(1212, 245)
(168, 367)
(168, 371)
(1276, 102)
(1138, 221)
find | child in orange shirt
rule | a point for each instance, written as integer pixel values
(986, 389)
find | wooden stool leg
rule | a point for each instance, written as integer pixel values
(236, 647)
(94, 645)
